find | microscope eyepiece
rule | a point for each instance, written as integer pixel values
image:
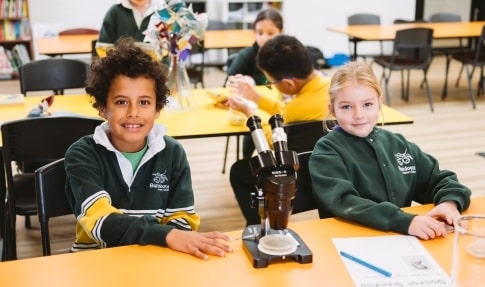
(278, 135)
(259, 140)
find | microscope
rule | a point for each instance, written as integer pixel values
(276, 174)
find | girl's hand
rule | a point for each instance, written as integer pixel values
(445, 211)
(426, 227)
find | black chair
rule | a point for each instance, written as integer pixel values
(3, 214)
(362, 19)
(471, 60)
(50, 181)
(412, 50)
(36, 141)
(302, 136)
(304, 199)
(195, 64)
(447, 50)
(54, 74)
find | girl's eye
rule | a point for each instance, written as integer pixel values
(345, 107)
(369, 104)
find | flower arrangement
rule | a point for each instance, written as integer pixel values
(175, 28)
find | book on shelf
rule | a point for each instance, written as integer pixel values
(21, 54)
(6, 68)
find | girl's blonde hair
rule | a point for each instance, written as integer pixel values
(349, 74)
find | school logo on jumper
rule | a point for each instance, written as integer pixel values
(405, 162)
(159, 180)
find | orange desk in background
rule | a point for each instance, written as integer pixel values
(81, 44)
(66, 44)
(136, 265)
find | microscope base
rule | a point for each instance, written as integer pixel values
(259, 259)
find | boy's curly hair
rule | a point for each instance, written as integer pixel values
(129, 60)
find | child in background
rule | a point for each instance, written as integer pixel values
(128, 18)
(243, 72)
(130, 183)
(366, 174)
(287, 64)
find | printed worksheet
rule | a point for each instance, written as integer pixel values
(390, 261)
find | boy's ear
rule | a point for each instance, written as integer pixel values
(102, 112)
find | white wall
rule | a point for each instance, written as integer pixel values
(305, 19)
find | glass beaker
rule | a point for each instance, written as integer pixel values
(468, 268)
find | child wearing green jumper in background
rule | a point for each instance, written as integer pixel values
(130, 183)
(366, 174)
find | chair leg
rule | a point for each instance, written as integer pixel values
(225, 155)
(407, 85)
(470, 87)
(28, 224)
(10, 240)
(403, 92)
(428, 91)
(444, 93)
(459, 76)
(226, 150)
(386, 85)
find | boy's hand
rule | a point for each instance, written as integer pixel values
(198, 244)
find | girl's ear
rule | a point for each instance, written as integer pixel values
(331, 109)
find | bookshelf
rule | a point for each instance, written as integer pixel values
(15, 37)
(242, 13)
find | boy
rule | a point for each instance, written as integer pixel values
(288, 66)
(129, 182)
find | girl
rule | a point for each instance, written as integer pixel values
(366, 174)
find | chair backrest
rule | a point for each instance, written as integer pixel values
(318, 60)
(196, 64)
(415, 43)
(54, 74)
(217, 25)
(364, 19)
(304, 199)
(302, 136)
(405, 21)
(50, 181)
(38, 140)
(445, 17)
(79, 31)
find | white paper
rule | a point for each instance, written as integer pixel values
(404, 256)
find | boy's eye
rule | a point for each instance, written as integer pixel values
(145, 102)
(121, 102)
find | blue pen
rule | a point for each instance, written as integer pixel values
(366, 264)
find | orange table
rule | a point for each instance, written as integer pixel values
(155, 266)
(228, 39)
(387, 32)
(202, 120)
(66, 44)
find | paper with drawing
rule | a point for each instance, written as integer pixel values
(403, 256)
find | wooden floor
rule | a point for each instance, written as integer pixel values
(454, 133)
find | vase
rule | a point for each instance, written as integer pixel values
(180, 97)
